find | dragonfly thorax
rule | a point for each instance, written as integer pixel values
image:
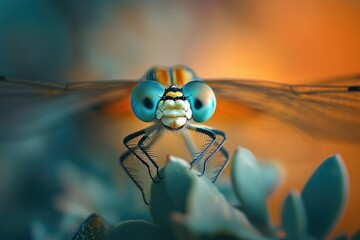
(173, 109)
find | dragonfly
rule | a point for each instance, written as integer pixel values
(175, 99)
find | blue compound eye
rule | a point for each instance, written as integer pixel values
(145, 98)
(202, 100)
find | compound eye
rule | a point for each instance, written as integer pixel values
(202, 100)
(145, 99)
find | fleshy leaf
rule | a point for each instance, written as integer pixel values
(249, 187)
(208, 215)
(139, 229)
(169, 195)
(324, 196)
(294, 217)
(271, 175)
(227, 190)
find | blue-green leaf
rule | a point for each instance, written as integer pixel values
(208, 215)
(294, 217)
(139, 229)
(324, 196)
(271, 175)
(170, 194)
(249, 187)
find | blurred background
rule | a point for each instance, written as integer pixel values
(51, 180)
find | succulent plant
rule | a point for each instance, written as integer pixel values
(185, 206)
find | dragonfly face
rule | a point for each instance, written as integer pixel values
(173, 109)
(172, 97)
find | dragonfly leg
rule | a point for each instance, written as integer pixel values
(127, 156)
(138, 144)
(144, 145)
(219, 154)
(213, 153)
(211, 140)
(137, 166)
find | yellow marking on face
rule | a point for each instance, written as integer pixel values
(174, 94)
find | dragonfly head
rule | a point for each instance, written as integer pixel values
(173, 106)
(173, 109)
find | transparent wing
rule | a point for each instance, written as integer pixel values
(328, 110)
(29, 106)
(10, 87)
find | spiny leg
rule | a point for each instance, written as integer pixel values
(139, 143)
(211, 137)
(138, 173)
(145, 144)
(139, 169)
(218, 145)
(213, 153)
(217, 159)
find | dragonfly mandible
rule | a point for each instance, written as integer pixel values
(328, 109)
